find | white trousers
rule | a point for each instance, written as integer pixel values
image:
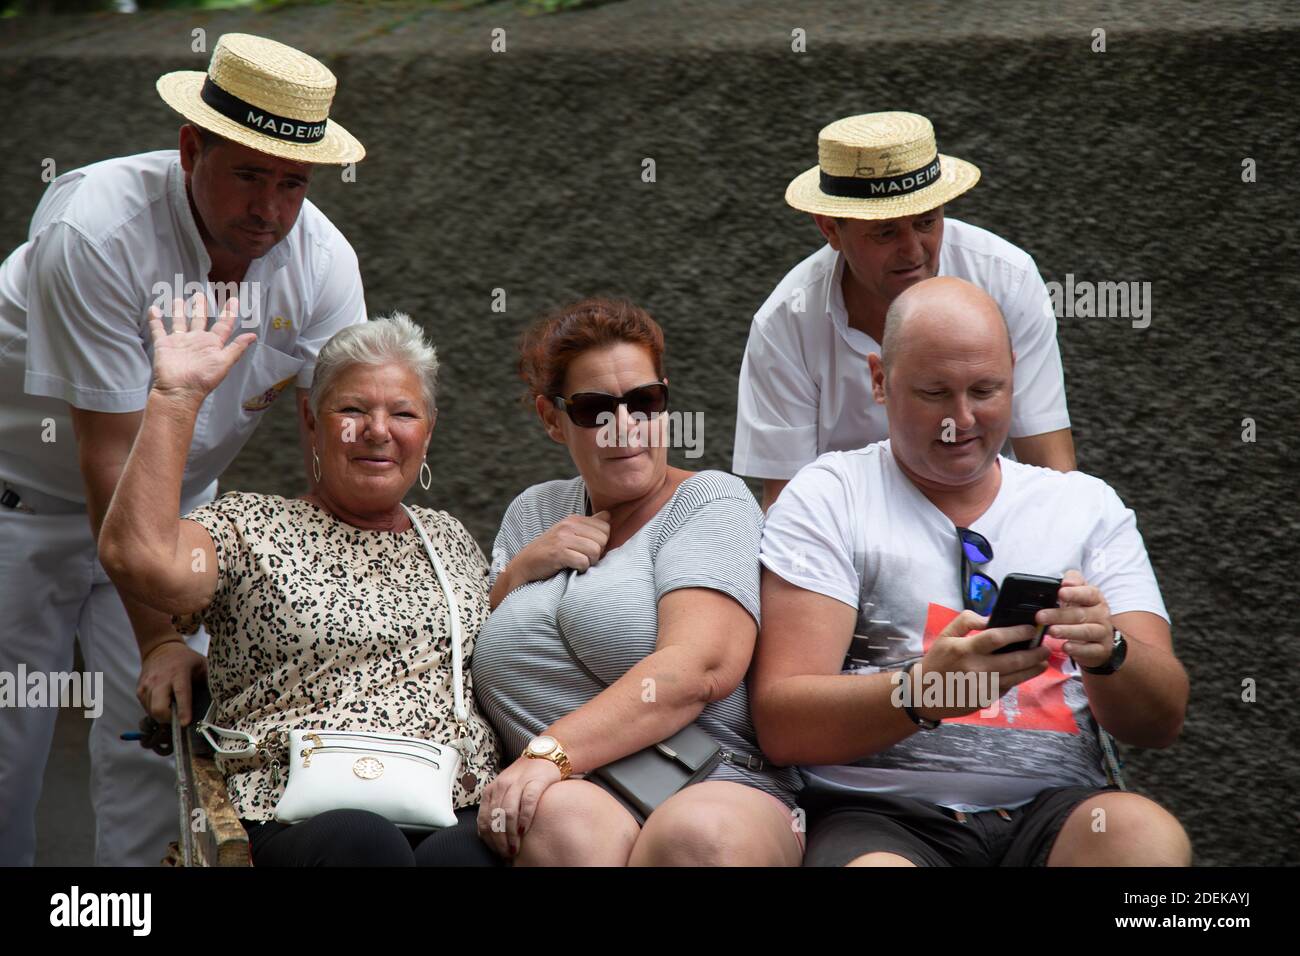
(52, 588)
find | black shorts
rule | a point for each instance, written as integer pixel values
(844, 826)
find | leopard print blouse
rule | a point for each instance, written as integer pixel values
(316, 624)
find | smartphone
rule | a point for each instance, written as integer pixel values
(1020, 598)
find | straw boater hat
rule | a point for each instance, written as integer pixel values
(267, 96)
(879, 166)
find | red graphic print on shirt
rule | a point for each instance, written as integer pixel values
(1035, 704)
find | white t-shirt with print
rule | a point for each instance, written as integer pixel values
(805, 386)
(74, 330)
(853, 527)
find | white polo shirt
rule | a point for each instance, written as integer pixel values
(805, 386)
(74, 326)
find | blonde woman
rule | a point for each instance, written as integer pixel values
(324, 611)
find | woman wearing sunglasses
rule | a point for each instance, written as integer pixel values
(626, 602)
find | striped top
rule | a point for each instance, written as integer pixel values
(705, 536)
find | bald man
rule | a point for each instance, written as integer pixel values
(919, 743)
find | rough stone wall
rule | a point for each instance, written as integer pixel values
(522, 171)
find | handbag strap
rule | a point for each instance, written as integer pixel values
(453, 611)
(573, 655)
(465, 743)
(214, 735)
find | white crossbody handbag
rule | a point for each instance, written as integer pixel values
(406, 780)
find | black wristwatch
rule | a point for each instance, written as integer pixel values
(916, 718)
(1118, 651)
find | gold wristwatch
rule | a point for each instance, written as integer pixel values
(548, 748)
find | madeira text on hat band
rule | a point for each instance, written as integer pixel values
(857, 187)
(257, 119)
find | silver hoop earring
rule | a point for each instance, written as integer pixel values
(315, 464)
(426, 475)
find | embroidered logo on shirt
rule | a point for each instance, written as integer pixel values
(263, 401)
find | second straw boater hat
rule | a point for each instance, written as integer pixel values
(267, 96)
(879, 166)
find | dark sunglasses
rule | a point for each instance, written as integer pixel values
(979, 592)
(585, 408)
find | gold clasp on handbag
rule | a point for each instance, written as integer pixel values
(306, 751)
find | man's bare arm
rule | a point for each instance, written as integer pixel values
(805, 710)
(1143, 703)
(771, 490)
(1048, 450)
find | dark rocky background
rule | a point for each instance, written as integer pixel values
(522, 171)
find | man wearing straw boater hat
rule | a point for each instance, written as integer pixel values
(225, 215)
(878, 195)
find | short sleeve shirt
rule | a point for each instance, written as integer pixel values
(805, 386)
(705, 536)
(853, 527)
(316, 624)
(106, 242)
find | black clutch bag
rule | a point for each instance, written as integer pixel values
(650, 776)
